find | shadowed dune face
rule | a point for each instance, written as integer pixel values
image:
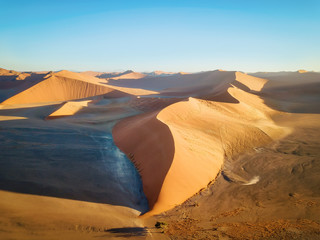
(149, 145)
(60, 159)
(303, 98)
(295, 92)
(12, 83)
(69, 157)
(195, 85)
(174, 83)
(282, 79)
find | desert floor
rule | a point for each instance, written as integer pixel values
(210, 155)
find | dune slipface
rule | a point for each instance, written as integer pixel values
(203, 133)
(149, 144)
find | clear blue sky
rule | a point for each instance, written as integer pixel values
(169, 35)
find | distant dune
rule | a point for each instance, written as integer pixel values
(281, 79)
(130, 75)
(61, 86)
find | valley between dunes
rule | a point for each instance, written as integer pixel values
(211, 155)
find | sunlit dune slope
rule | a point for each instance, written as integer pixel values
(69, 109)
(5, 72)
(61, 86)
(26, 216)
(202, 133)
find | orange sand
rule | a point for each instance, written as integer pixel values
(203, 133)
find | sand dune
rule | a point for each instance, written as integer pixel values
(179, 130)
(163, 74)
(5, 72)
(175, 82)
(58, 218)
(253, 83)
(282, 79)
(284, 203)
(92, 73)
(159, 73)
(292, 91)
(203, 132)
(197, 84)
(61, 86)
(10, 75)
(130, 75)
(12, 82)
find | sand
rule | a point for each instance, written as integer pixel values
(282, 79)
(203, 133)
(60, 86)
(283, 204)
(25, 216)
(130, 75)
(220, 154)
(69, 109)
(115, 75)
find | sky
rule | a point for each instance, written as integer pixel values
(168, 35)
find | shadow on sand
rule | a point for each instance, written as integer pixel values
(128, 232)
(58, 159)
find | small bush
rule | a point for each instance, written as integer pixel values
(160, 224)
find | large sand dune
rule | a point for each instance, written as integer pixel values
(61, 86)
(203, 133)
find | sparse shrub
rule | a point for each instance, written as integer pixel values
(161, 224)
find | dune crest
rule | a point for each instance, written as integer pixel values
(253, 83)
(5, 72)
(204, 133)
